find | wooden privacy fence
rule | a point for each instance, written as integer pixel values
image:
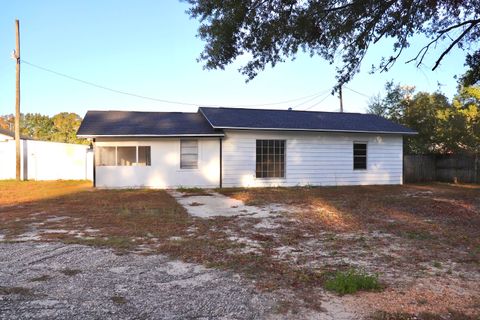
(446, 168)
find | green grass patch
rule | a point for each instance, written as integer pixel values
(351, 281)
(119, 300)
(190, 190)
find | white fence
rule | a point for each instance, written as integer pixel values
(44, 160)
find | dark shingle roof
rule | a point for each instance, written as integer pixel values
(125, 123)
(222, 118)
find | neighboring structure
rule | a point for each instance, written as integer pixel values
(230, 147)
(45, 160)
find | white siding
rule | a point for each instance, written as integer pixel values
(313, 158)
(164, 171)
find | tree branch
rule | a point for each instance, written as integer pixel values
(450, 47)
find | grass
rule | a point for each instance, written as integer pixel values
(436, 228)
(119, 300)
(452, 315)
(351, 281)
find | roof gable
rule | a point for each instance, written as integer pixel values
(264, 119)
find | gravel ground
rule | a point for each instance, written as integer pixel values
(58, 281)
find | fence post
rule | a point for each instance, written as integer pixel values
(475, 169)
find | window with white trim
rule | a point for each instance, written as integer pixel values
(126, 156)
(122, 156)
(359, 156)
(270, 159)
(188, 154)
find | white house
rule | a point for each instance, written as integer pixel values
(44, 160)
(233, 147)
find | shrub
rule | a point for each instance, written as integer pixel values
(351, 281)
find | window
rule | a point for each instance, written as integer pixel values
(143, 156)
(105, 156)
(188, 154)
(270, 159)
(122, 156)
(359, 156)
(126, 156)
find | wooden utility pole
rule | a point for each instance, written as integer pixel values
(341, 98)
(17, 101)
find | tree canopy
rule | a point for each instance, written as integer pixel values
(61, 127)
(270, 31)
(442, 126)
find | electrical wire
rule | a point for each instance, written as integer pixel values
(96, 85)
(309, 100)
(317, 103)
(362, 94)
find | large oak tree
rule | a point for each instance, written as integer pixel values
(270, 31)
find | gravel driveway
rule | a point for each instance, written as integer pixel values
(59, 281)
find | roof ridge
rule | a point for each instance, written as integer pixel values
(285, 110)
(142, 111)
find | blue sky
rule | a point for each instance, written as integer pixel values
(150, 48)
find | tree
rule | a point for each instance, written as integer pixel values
(36, 126)
(270, 31)
(421, 114)
(417, 111)
(65, 126)
(472, 76)
(461, 122)
(59, 128)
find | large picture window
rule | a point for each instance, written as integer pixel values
(359, 156)
(188, 154)
(270, 161)
(122, 156)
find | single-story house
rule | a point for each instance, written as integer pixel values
(234, 147)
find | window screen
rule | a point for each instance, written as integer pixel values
(359, 156)
(105, 156)
(144, 156)
(188, 154)
(126, 156)
(270, 161)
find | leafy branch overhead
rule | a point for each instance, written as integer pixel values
(273, 31)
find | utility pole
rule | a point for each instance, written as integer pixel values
(17, 101)
(341, 98)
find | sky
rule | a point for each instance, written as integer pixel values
(150, 48)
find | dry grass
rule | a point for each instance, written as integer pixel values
(14, 193)
(437, 213)
(329, 230)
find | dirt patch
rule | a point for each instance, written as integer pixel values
(403, 234)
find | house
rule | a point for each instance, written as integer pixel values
(44, 160)
(234, 147)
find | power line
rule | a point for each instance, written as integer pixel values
(362, 94)
(107, 88)
(96, 85)
(309, 100)
(317, 103)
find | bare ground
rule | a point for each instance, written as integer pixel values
(422, 241)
